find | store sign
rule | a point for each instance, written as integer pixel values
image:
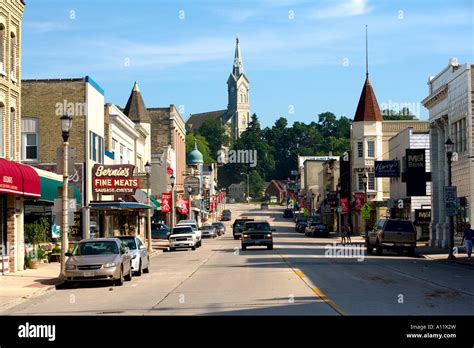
(114, 179)
(387, 169)
(450, 199)
(191, 185)
(332, 200)
(344, 205)
(415, 175)
(166, 202)
(422, 216)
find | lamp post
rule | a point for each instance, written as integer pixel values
(248, 185)
(339, 208)
(364, 181)
(66, 124)
(449, 145)
(190, 190)
(313, 205)
(172, 181)
(148, 184)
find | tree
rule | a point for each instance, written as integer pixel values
(256, 184)
(216, 135)
(392, 115)
(202, 145)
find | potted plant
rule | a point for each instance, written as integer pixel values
(35, 233)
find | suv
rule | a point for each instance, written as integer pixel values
(238, 226)
(195, 227)
(395, 234)
(257, 233)
(315, 229)
(183, 237)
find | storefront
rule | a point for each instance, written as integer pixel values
(17, 182)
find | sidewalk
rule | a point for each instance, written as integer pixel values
(23, 285)
(18, 286)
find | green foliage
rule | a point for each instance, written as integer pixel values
(392, 115)
(37, 231)
(56, 250)
(216, 134)
(256, 184)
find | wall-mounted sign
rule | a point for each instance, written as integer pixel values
(344, 205)
(114, 179)
(422, 216)
(359, 199)
(183, 206)
(415, 175)
(193, 183)
(450, 199)
(387, 169)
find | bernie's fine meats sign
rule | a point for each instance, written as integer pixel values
(114, 179)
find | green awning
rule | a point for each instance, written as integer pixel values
(49, 190)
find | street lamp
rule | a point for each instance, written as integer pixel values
(248, 185)
(338, 188)
(148, 184)
(364, 181)
(190, 190)
(449, 145)
(66, 124)
(172, 181)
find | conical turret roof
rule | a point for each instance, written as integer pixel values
(135, 108)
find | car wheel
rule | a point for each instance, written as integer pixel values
(244, 247)
(147, 269)
(128, 277)
(270, 247)
(193, 247)
(411, 252)
(139, 272)
(235, 237)
(379, 249)
(119, 281)
(172, 249)
(369, 249)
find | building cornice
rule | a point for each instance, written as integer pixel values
(435, 97)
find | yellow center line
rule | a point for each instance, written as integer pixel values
(314, 288)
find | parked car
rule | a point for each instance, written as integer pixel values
(238, 226)
(99, 259)
(160, 231)
(195, 227)
(226, 215)
(301, 225)
(316, 229)
(208, 231)
(140, 257)
(264, 205)
(183, 237)
(220, 227)
(288, 213)
(257, 233)
(395, 234)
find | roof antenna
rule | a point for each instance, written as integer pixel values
(366, 54)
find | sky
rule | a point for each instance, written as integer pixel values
(302, 57)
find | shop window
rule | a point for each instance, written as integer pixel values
(360, 149)
(360, 182)
(29, 139)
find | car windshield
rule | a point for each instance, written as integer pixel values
(129, 242)
(96, 248)
(181, 230)
(399, 225)
(217, 225)
(263, 226)
(207, 227)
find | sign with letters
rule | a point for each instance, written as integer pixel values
(387, 169)
(114, 179)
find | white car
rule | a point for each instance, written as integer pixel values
(183, 237)
(209, 231)
(139, 254)
(195, 228)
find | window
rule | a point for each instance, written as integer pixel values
(121, 153)
(94, 152)
(360, 182)
(360, 149)
(2, 108)
(2, 48)
(29, 138)
(12, 133)
(371, 149)
(371, 181)
(114, 145)
(13, 56)
(130, 156)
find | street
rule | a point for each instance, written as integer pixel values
(297, 277)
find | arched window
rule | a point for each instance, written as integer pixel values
(12, 133)
(2, 137)
(2, 47)
(13, 56)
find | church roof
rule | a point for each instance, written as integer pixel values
(195, 156)
(238, 68)
(196, 120)
(368, 107)
(135, 108)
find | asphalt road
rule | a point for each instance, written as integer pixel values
(300, 276)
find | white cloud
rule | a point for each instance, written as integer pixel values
(45, 27)
(346, 8)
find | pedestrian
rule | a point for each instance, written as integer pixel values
(343, 235)
(467, 240)
(348, 233)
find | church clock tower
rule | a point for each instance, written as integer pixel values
(238, 107)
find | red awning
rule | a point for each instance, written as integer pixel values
(18, 179)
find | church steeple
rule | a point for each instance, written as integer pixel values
(238, 68)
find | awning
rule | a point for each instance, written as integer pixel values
(50, 187)
(18, 179)
(119, 205)
(142, 197)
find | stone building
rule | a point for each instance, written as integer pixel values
(450, 102)
(237, 114)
